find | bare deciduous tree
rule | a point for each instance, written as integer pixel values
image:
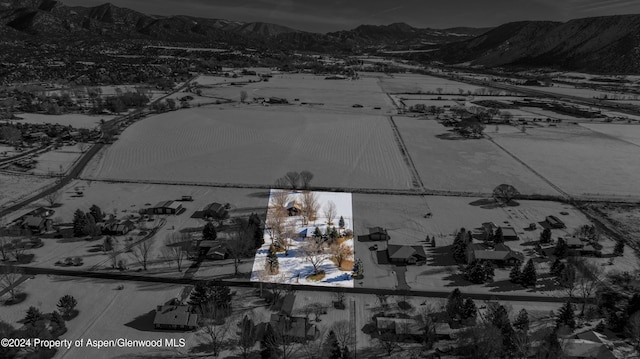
(343, 332)
(214, 327)
(280, 199)
(330, 212)
(9, 280)
(310, 206)
(340, 252)
(240, 243)
(4, 244)
(314, 254)
(505, 193)
(588, 279)
(305, 178)
(275, 225)
(293, 178)
(314, 349)
(141, 252)
(177, 247)
(52, 198)
(243, 96)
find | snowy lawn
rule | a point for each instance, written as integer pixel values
(293, 266)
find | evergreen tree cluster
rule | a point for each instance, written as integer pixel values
(358, 269)
(208, 294)
(460, 309)
(84, 224)
(562, 249)
(460, 243)
(526, 276)
(545, 236)
(566, 316)
(479, 271)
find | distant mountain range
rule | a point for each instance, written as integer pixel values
(607, 44)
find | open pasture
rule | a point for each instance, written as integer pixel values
(57, 161)
(313, 90)
(256, 145)
(469, 165)
(580, 161)
(625, 132)
(414, 83)
(16, 187)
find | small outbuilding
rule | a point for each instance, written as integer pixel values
(554, 222)
(167, 207)
(509, 234)
(378, 234)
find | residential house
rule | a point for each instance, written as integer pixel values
(116, 227)
(400, 326)
(585, 349)
(214, 250)
(293, 208)
(399, 254)
(173, 315)
(579, 248)
(167, 207)
(297, 329)
(37, 224)
(500, 255)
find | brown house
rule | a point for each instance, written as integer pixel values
(37, 224)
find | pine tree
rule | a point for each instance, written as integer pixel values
(269, 344)
(561, 249)
(455, 303)
(529, 275)
(522, 321)
(469, 309)
(545, 236)
(331, 347)
(460, 246)
(341, 222)
(345, 352)
(57, 320)
(33, 316)
(500, 319)
(556, 268)
(200, 295)
(317, 233)
(79, 223)
(498, 236)
(566, 316)
(209, 232)
(67, 304)
(618, 250)
(515, 274)
(96, 213)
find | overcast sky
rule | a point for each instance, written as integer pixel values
(332, 15)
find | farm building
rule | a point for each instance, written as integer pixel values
(173, 315)
(554, 222)
(574, 243)
(582, 348)
(215, 210)
(118, 228)
(406, 254)
(214, 250)
(509, 234)
(378, 234)
(167, 207)
(500, 255)
(579, 248)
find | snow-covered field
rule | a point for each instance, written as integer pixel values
(412, 83)
(314, 91)
(580, 161)
(15, 187)
(75, 120)
(57, 161)
(256, 145)
(104, 313)
(474, 165)
(293, 267)
(626, 132)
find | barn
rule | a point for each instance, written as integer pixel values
(167, 207)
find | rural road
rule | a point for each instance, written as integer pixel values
(297, 287)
